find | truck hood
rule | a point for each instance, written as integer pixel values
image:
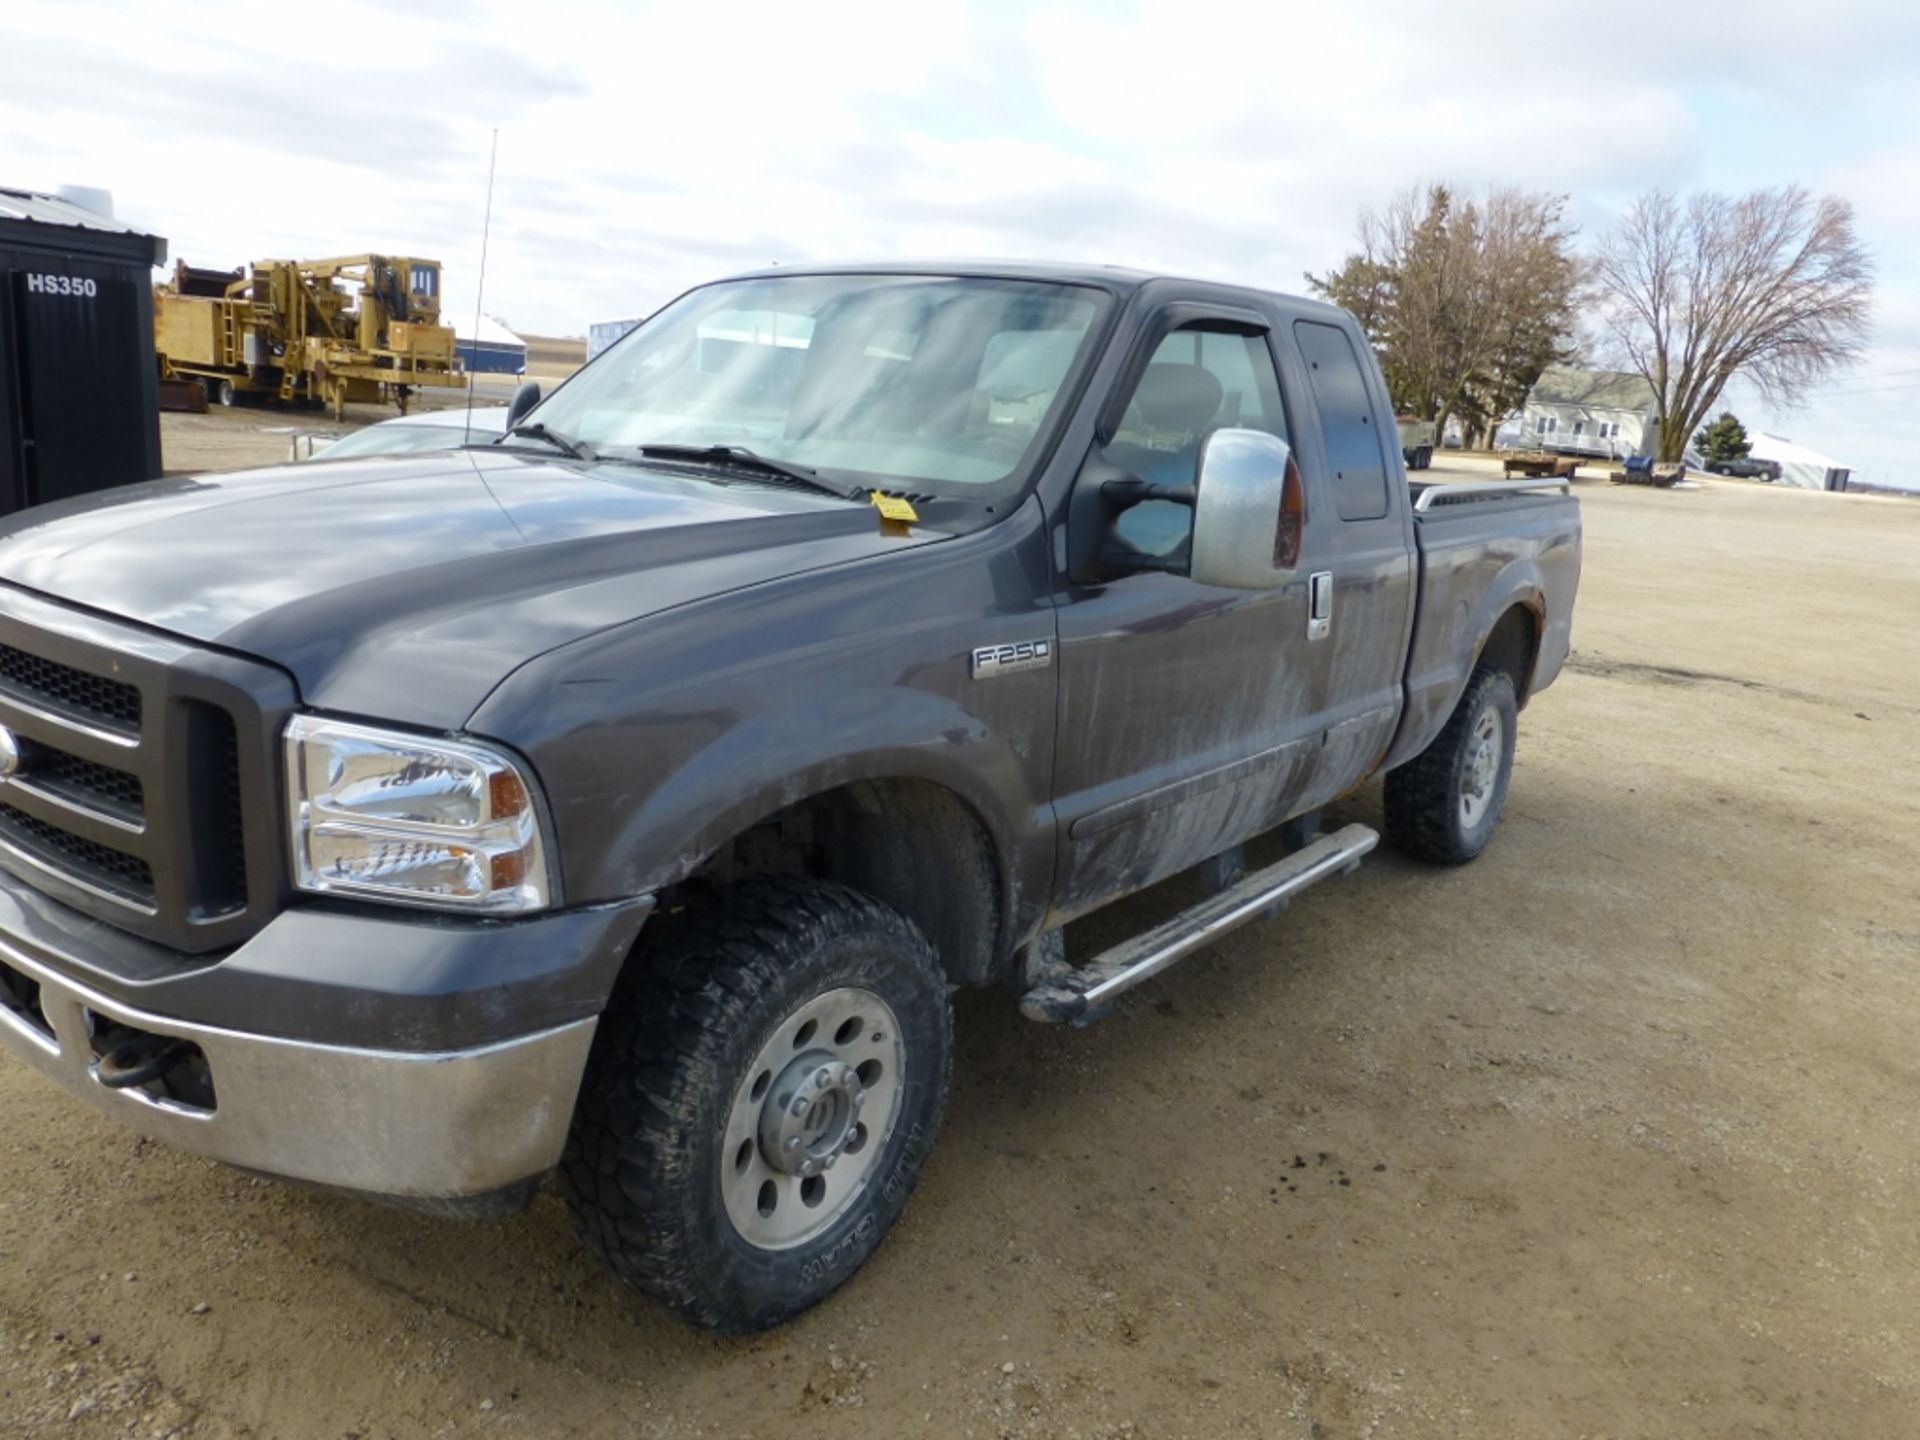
(406, 588)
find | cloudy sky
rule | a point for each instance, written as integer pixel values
(644, 148)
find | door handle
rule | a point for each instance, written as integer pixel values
(1319, 604)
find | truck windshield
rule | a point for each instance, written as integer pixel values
(940, 384)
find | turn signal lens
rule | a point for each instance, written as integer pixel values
(1293, 519)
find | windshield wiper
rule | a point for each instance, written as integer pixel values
(572, 449)
(741, 458)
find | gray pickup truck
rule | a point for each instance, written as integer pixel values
(626, 797)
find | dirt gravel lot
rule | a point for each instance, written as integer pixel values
(1612, 1133)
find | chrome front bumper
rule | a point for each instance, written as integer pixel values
(423, 1127)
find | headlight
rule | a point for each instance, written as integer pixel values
(414, 819)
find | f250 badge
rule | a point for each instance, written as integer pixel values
(992, 660)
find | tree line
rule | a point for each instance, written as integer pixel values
(1468, 298)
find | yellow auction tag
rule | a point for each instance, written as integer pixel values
(893, 507)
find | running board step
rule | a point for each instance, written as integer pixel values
(1081, 995)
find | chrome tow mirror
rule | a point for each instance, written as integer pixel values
(1249, 516)
(1249, 512)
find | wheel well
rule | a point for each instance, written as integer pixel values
(914, 844)
(1511, 646)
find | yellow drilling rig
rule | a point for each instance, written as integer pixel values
(364, 328)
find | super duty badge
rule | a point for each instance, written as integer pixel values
(992, 660)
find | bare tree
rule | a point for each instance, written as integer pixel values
(1772, 286)
(1531, 292)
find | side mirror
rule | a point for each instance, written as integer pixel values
(524, 399)
(1249, 512)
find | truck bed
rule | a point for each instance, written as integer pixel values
(1483, 546)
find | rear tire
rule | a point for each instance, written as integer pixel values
(762, 1093)
(1443, 805)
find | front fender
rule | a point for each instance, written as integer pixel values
(778, 758)
(659, 741)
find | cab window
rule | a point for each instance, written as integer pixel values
(1354, 452)
(1201, 378)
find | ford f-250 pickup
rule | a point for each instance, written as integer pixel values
(626, 797)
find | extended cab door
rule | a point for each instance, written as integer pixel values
(1362, 538)
(1189, 716)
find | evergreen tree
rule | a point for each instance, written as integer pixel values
(1466, 300)
(1725, 439)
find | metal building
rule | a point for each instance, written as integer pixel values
(602, 333)
(492, 349)
(1800, 466)
(77, 372)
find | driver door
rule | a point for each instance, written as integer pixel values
(1187, 713)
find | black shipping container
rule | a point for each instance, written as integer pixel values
(78, 411)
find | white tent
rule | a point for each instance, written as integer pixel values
(1808, 469)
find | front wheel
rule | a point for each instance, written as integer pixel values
(1442, 806)
(764, 1088)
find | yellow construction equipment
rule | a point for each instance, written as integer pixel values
(364, 328)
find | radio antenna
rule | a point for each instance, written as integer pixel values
(480, 289)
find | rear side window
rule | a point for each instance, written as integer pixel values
(1346, 416)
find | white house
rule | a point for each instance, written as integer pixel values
(1800, 466)
(1609, 413)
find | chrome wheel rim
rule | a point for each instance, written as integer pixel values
(1482, 772)
(811, 1117)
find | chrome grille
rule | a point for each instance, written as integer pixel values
(136, 756)
(98, 866)
(94, 699)
(98, 787)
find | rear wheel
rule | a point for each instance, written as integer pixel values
(1443, 805)
(225, 393)
(763, 1091)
